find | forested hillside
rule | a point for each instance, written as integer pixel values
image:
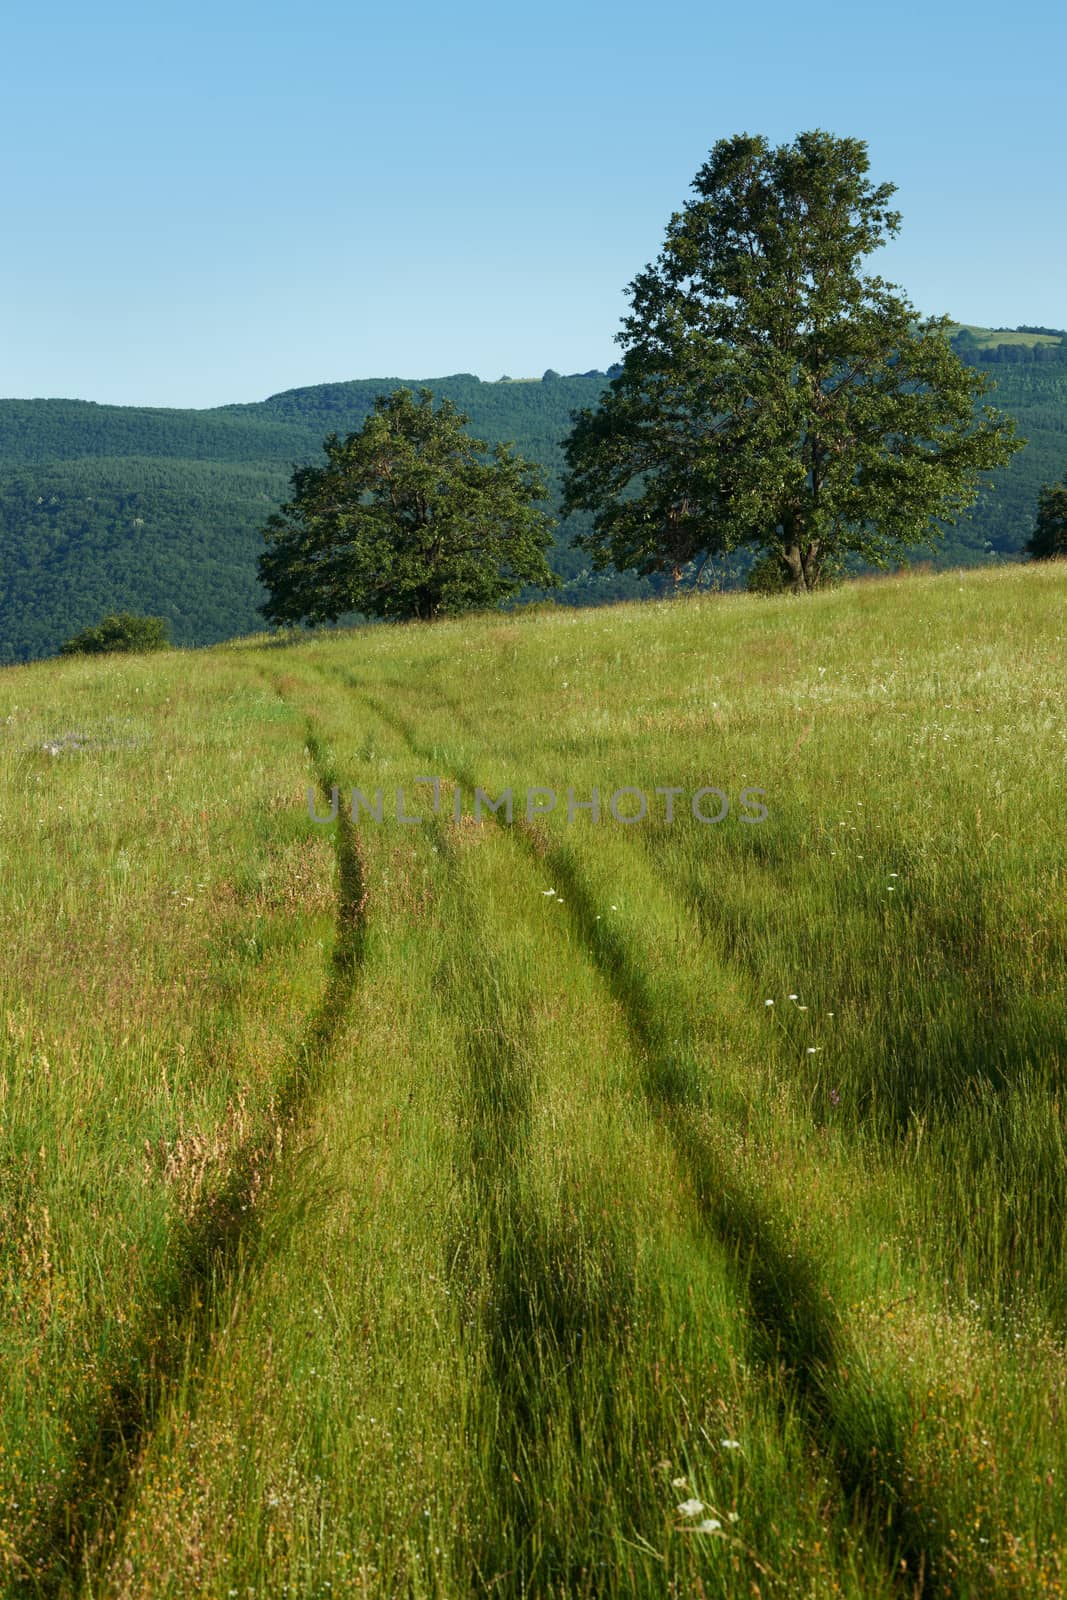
(161, 535)
(159, 510)
(1029, 368)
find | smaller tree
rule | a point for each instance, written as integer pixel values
(1049, 538)
(117, 632)
(407, 520)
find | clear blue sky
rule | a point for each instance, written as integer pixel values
(214, 202)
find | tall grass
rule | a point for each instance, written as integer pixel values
(695, 1228)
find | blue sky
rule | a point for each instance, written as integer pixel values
(221, 201)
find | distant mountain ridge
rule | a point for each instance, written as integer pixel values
(158, 509)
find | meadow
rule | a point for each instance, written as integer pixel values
(554, 1208)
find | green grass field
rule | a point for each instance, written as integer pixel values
(376, 1222)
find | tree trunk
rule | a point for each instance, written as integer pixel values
(812, 564)
(794, 560)
(803, 563)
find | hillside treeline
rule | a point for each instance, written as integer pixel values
(158, 510)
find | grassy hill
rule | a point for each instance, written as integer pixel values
(997, 338)
(562, 1207)
(154, 510)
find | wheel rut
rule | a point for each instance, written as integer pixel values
(212, 1252)
(793, 1317)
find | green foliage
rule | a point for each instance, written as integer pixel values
(998, 525)
(768, 575)
(1049, 538)
(158, 511)
(162, 510)
(82, 538)
(119, 631)
(407, 520)
(773, 395)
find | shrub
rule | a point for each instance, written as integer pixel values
(1049, 538)
(119, 631)
(769, 575)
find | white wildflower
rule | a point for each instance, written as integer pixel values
(691, 1508)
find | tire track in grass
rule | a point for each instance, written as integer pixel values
(552, 1302)
(542, 1313)
(542, 1324)
(211, 1253)
(559, 1306)
(796, 1319)
(858, 1434)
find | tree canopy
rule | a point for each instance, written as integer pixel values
(771, 394)
(407, 519)
(1049, 538)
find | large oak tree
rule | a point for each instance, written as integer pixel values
(407, 519)
(771, 394)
